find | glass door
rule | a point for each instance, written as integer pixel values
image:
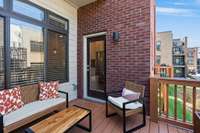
(96, 67)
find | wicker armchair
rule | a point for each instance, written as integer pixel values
(124, 112)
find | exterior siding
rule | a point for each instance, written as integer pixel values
(132, 58)
(65, 10)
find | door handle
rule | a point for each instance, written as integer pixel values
(88, 68)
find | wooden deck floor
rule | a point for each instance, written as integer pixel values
(101, 124)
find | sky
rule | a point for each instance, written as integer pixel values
(182, 17)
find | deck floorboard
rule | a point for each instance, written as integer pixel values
(101, 124)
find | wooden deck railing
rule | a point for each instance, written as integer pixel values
(174, 100)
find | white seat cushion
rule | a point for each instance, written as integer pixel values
(30, 109)
(118, 101)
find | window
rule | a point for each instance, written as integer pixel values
(178, 50)
(36, 46)
(198, 69)
(190, 61)
(27, 64)
(175, 44)
(158, 58)
(56, 59)
(179, 61)
(198, 61)
(179, 72)
(28, 10)
(57, 21)
(158, 45)
(1, 3)
(1, 53)
(30, 58)
(190, 53)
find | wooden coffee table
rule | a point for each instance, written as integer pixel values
(63, 121)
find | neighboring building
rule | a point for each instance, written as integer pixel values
(163, 52)
(179, 59)
(191, 60)
(164, 48)
(198, 61)
(164, 71)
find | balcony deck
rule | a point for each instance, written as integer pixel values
(101, 124)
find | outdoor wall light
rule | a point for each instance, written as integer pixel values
(116, 36)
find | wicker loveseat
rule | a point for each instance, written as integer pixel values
(32, 110)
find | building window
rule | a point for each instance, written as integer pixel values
(36, 46)
(1, 53)
(190, 62)
(190, 54)
(1, 3)
(26, 65)
(179, 61)
(178, 50)
(158, 46)
(56, 59)
(198, 62)
(158, 59)
(175, 44)
(198, 69)
(179, 72)
(28, 10)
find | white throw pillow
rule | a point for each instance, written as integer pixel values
(130, 95)
(126, 92)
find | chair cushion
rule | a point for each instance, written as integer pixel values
(10, 100)
(130, 95)
(48, 90)
(118, 101)
(30, 109)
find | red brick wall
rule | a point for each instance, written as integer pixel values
(132, 57)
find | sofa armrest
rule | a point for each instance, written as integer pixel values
(1, 124)
(66, 96)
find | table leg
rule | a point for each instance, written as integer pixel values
(89, 129)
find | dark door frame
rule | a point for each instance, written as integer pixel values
(95, 94)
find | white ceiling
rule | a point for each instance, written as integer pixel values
(79, 3)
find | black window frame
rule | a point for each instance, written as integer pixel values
(7, 13)
(4, 49)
